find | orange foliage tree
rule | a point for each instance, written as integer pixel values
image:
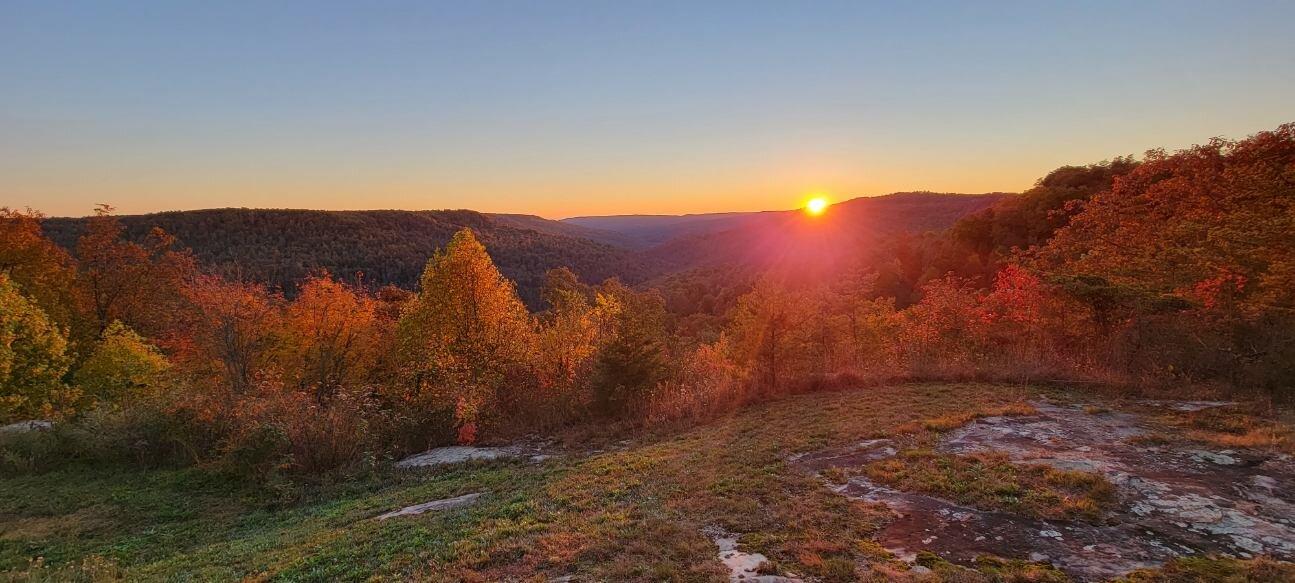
(330, 337)
(466, 338)
(1200, 243)
(140, 285)
(231, 328)
(43, 270)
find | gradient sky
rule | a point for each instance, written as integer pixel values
(565, 108)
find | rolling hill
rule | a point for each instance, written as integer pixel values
(643, 231)
(280, 247)
(790, 237)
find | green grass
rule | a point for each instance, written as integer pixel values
(623, 515)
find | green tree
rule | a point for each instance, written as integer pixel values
(121, 364)
(634, 359)
(33, 359)
(562, 290)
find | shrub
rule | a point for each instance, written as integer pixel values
(706, 383)
(121, 364)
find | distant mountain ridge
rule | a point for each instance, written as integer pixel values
(680, 242)
(280, 247)
(643, 231)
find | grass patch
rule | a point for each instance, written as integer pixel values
(992, 481)
(953, 421)
(625, 515)
(1215, 570)
(1246, 426)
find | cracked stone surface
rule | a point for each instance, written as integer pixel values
(433, 506)
(1175, 500)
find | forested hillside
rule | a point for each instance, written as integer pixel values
(1170, 275)
(870, 216)
(839, 237)
(645, 231)
(281, 247)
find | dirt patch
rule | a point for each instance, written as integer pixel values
(83, 521)
(1175, 498)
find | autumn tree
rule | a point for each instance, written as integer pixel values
(937, 332)
(231, 326)
(1195, 223)
(121, 364)
(42, 270)
(769, 334)
(570, 333)
(330, 336)
(138, 284)
(562, 290)
(465, 335)
(1209, 232)
(33, 359)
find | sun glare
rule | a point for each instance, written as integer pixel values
(816, 205)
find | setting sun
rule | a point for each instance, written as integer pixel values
(816, 205)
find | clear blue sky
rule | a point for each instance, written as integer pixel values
(563, 108)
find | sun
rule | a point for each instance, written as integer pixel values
(816, 205)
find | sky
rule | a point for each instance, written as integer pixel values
(564, 108)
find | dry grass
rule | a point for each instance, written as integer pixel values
(1215, 570)
(1247, 426)
(953, 421)
(637, 514)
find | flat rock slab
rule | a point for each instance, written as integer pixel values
(742, 566)
(462, 453)
(1175, 500)
(27, 426)
(433, 506)
(1189, 406)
